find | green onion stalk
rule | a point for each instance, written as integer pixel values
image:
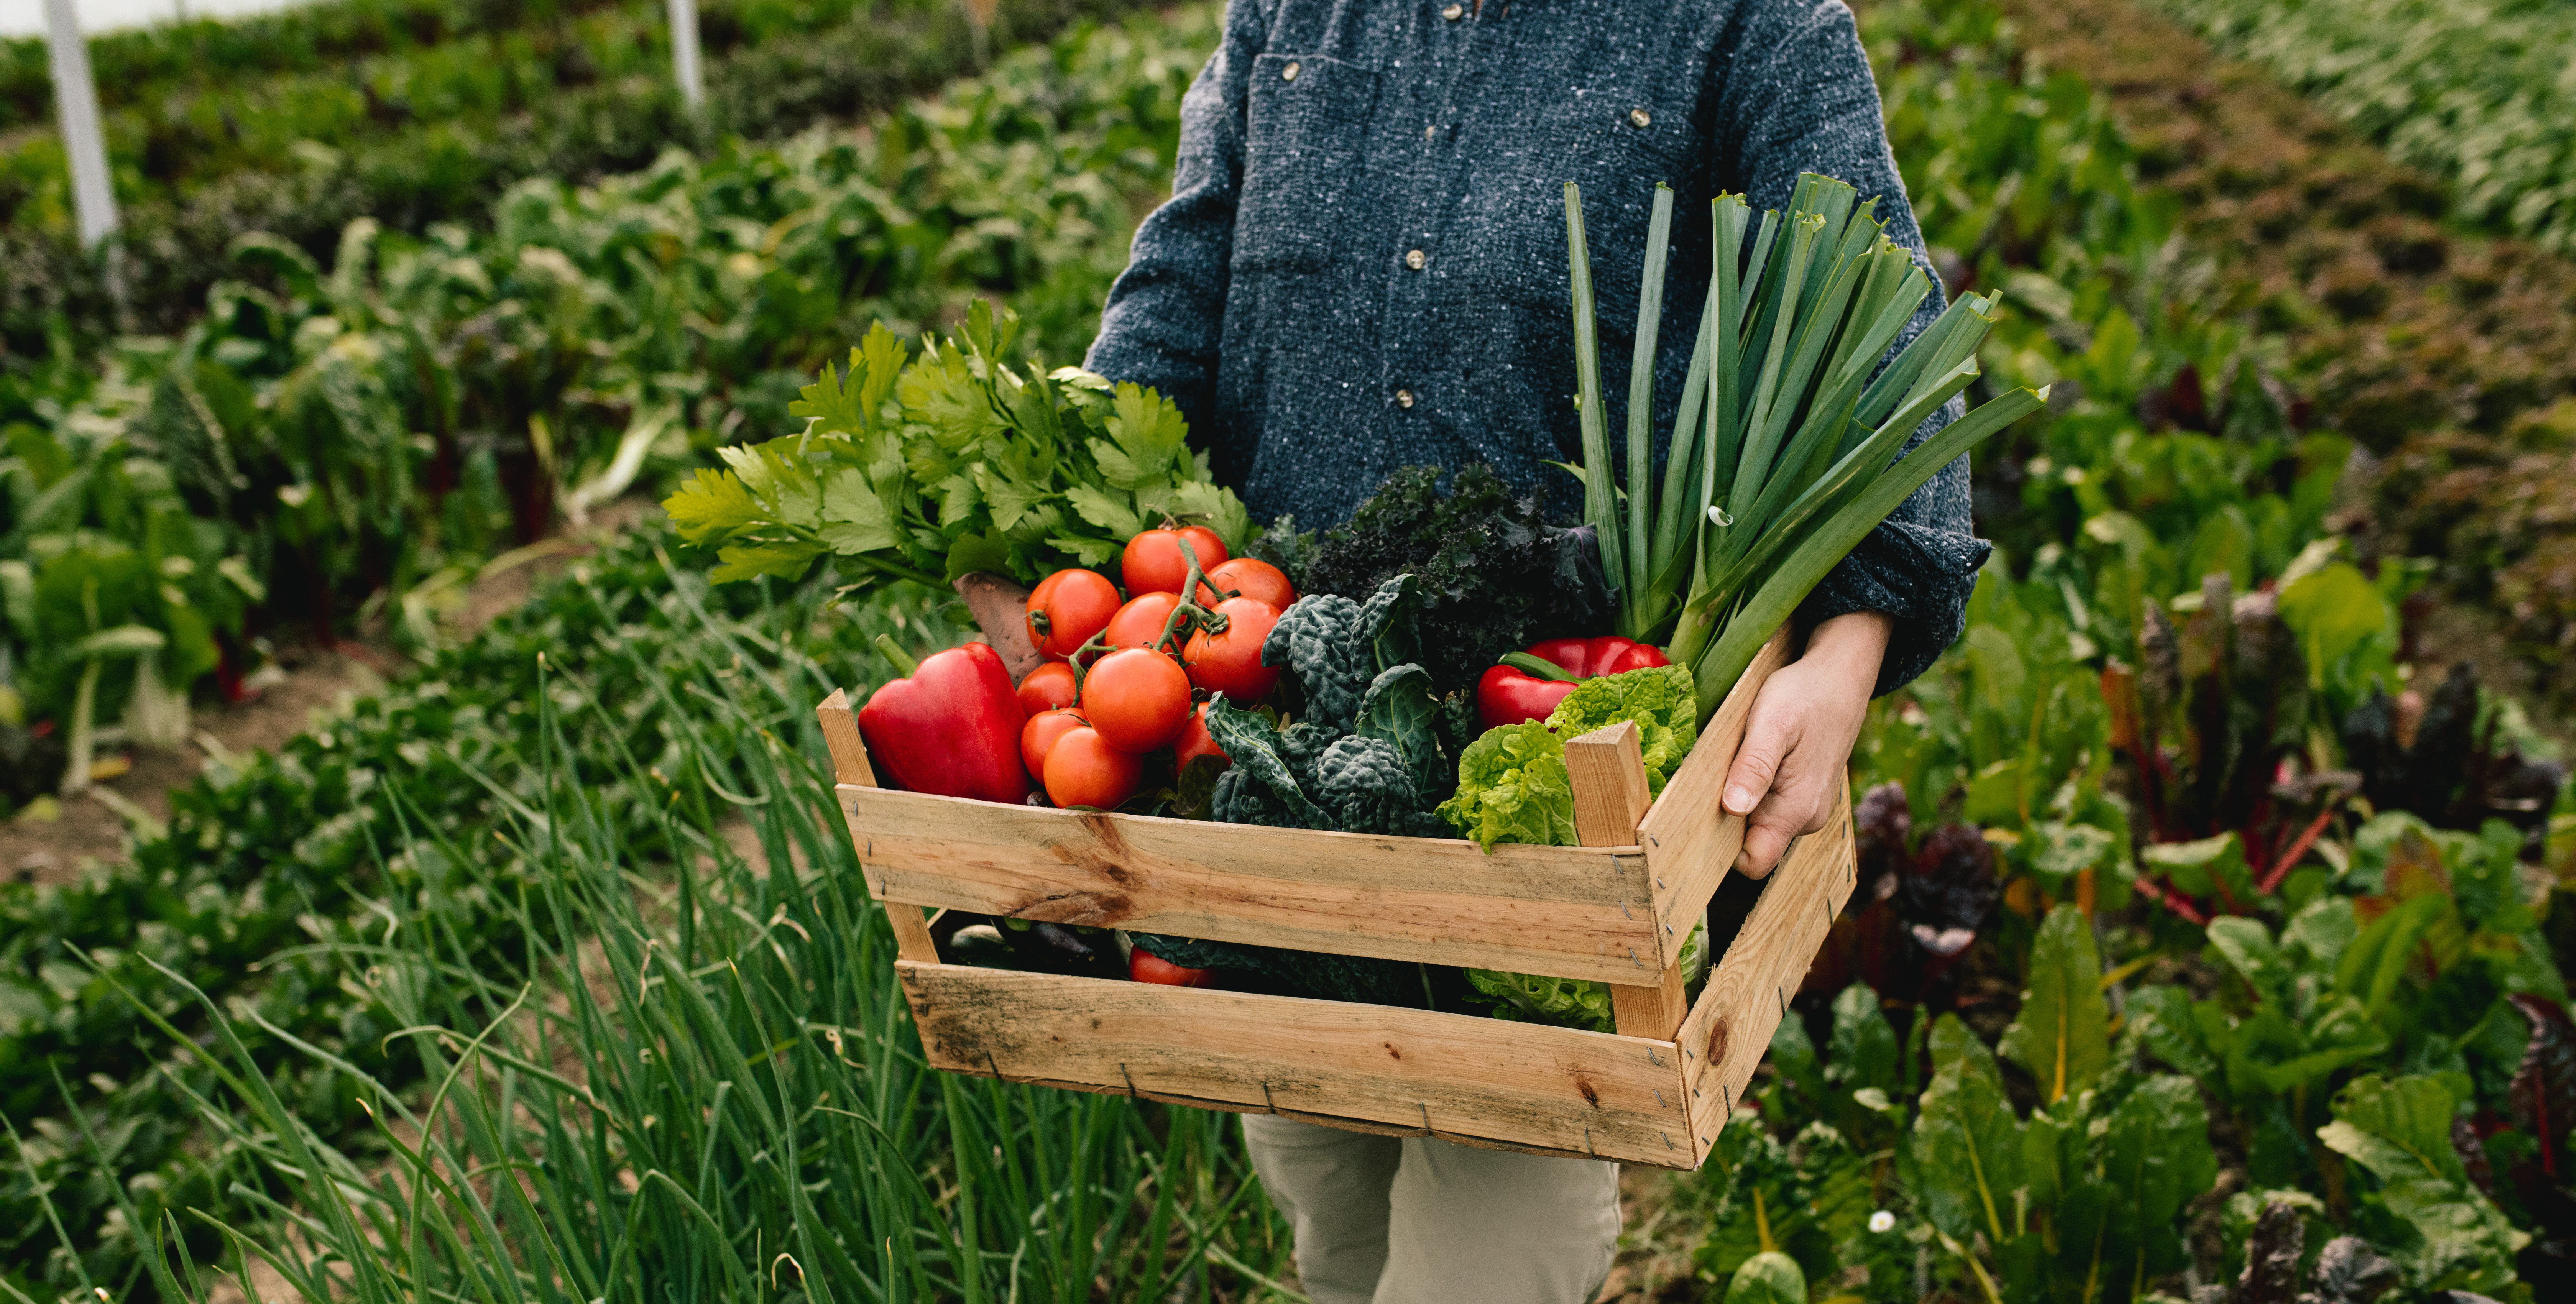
(1786, 449)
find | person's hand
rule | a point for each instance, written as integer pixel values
(1789, 775)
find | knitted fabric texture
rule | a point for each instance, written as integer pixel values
(1363, 267)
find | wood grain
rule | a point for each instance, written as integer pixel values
(1001, 608)
(1409, 1071)
(1730, 1027)
(850, 767)
(1654, 1011)
(1570, 912)
(1689, 838)
(1607, 771)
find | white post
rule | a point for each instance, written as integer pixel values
(684, 52)
(76, 113)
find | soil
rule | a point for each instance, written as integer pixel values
(302, 686)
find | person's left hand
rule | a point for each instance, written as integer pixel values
(1789, 775)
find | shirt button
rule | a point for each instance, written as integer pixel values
(1638, 116)
(1454, 12)
(1288, 73)
(1404, 398)
(1415, 259)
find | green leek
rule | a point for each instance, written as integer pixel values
(1785, 451)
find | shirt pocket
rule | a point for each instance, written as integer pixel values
(1306, 131)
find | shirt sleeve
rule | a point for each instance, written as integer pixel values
(1798, 98)
(1166, 312)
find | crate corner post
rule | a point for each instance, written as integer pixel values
(1607, 771)
(850, 769)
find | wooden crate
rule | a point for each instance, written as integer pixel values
(1615, 909)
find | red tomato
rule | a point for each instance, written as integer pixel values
(1146, 967)
(1229, 661)
(1195, 741)
(1249, 577)
(1141, 621)
(1136, 699)
(1153, 562)
(1040, 735)
(1067, 608)
(1046, 688)
(1084, 770)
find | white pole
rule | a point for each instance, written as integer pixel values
(76, 113)
(684, 52)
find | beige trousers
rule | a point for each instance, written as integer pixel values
(1416, 1220)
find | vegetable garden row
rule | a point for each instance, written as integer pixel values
(434, 132)
(2180, 943)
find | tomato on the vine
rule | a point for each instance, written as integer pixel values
(1040, 735)
(1082, 769)
(1229, 661)
(1067, 608)
(1136, 699)
(1047, 687)
(1249, 577)
(1141, 621)
(1146, 967)
(1153, 562)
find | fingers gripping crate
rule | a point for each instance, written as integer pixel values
(1615, 909)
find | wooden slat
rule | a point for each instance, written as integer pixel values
(1608, 775)
(850, 767)
(1689, 838)
(1001, 608)
(1451, 1075)
(1652, 1011)
(1570, 912)
(1730, 1028)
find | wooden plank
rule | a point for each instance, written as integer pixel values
(1730, 1028)
(850, 767)
(1451, 1075)
(1608, 775)
(1001, 609)
(1690, 840)
(841, 734)
(1570, 912)
(1653, 1012)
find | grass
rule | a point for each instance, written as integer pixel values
(702, 1083)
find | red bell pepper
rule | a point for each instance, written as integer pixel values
(951, 728)
(1528, 685)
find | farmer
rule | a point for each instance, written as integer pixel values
(1363, 267)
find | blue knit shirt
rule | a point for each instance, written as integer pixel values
(1363, 267)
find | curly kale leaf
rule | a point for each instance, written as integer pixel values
(1333, 647)
(1490, 574)
(1661, 699)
